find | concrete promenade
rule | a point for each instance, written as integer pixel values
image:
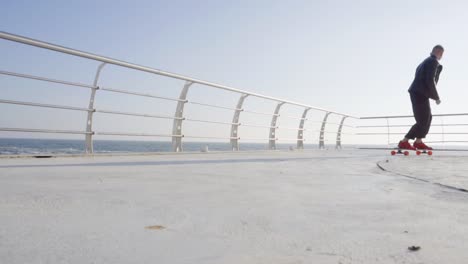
(244, 207)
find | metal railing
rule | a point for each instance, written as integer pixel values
(178, 118)
(445, 131)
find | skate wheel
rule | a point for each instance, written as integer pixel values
(393, 153)
(406, 153)
(429, 153)
(418, 152)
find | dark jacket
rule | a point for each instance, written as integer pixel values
(426, 78)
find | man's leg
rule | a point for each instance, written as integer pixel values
(426, 119)
(420, 114)
(429, 119)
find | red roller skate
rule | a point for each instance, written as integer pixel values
(403, 148)
(422, 148)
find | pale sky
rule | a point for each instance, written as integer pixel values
(356, 57)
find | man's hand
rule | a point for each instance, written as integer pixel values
(438, 102)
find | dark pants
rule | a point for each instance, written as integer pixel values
(422, 114)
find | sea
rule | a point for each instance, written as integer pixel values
(34, 146)
(29, 146)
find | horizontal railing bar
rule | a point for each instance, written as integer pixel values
(290, 139)
(253, 125)
(331, 123)
(384, 117)
(215, 106)
(292, 128)
(260, 113)
(446, 133)
(391, 146)
(45, 45)
(336, 127)
(410, 116)
(327, 132)
(455, 114)
(45, 105)
(385, 126)
(336, 132)
(211, 122)
(133, 134)
(27, 76)
(253, 138)
(331, 132)
(450, 133)
(447, 141)
(380, 126)
(207, 137)
(436, 142)
(369, 134)
(139, 94)
(44, 130)
(136, 114)
(293, 117)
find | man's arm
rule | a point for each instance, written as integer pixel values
(439, 70)
(431, 79)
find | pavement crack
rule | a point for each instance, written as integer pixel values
(382, 168)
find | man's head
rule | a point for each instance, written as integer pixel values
(438, 51)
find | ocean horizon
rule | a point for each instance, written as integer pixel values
(34, 146)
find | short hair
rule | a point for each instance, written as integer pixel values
(438, 47)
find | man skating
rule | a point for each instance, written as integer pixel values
(421, 90)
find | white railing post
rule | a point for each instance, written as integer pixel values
(235, 123)
(179, 114)
(272, 135)
(338, 134)
(388, 131)
(89, 118)
(300, 131)
(322, 131)
(443, 129)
